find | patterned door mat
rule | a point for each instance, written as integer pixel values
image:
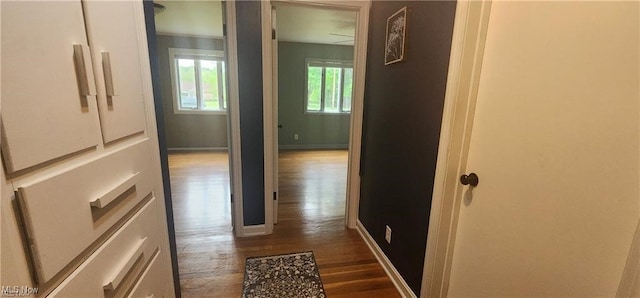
(289, 275)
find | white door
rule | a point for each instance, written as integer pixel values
(555, 143)
(274, 90)
(46, 79)
(116, 49)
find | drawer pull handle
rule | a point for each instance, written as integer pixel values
(133, 257)
(105, 199)
(81, 70)
(108, 74)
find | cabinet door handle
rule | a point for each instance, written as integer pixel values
(133, 257)
(108, 74)
(81, 70)
(108, 197)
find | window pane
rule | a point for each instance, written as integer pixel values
(332, 90)
(209, 85)
(187, 84)
(314, 86)
(347, 92)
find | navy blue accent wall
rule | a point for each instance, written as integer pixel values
(251, 121)
(403, 113)
(162, 138)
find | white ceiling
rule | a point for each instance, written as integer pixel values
(196, 18)
(294, 23)
(315, 25)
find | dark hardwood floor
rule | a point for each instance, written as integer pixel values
(311, 218)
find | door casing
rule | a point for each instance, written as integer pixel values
(270, 107)
(235, 161)
(467, 51)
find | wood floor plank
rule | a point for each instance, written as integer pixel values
(311, 218)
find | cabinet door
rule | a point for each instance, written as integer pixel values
(113, 28)
(44, 112)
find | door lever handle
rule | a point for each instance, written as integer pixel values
(471, 179)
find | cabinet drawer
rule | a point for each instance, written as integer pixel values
(66, 213)
(151, 283)
(111, 270)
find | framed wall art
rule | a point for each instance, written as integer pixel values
(394, 43)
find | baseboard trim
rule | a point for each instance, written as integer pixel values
(182, 149)
(250, 231)
(311, 147)
(394, 275)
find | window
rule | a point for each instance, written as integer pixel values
(199, 81)
(329, 87)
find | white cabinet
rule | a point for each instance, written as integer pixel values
(114, 45)
(44, 114)
(80, 151)
(54, 74)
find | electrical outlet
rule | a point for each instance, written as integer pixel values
(387, 234)
(295, 137)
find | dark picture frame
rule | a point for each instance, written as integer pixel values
(395, 39)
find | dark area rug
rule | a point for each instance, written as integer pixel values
(290, 275)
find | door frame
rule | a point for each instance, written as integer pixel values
(355, 130)
(233, 121)
(467, 52)
(233, 127)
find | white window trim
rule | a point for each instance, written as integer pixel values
(324, 63)
(173, 52)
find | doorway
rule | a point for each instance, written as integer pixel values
(318, 117)
(316, 62)
(194, 83)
